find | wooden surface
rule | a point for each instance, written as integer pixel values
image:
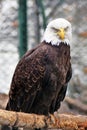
(59, 121)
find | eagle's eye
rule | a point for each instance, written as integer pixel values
(66, 28)
(56, 30)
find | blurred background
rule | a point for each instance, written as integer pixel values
(22, 24)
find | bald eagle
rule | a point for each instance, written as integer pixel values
(41, 77)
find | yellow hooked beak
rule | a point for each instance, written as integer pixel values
(61, 33)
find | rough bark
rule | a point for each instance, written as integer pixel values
(60, 121)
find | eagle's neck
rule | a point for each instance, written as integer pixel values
(57, 43)
(60, 44)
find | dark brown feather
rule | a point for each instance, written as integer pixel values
(40, 80)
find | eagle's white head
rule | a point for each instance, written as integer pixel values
(57, 31)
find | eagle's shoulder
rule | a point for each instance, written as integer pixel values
(30, 70)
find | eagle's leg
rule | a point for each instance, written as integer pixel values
(5, 127)
(41, 129)
(15, 128)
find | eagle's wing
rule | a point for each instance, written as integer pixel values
(27, 81)
(63, 90)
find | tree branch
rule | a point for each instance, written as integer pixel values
(60, 121)
(75, 103)
(60, 2)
